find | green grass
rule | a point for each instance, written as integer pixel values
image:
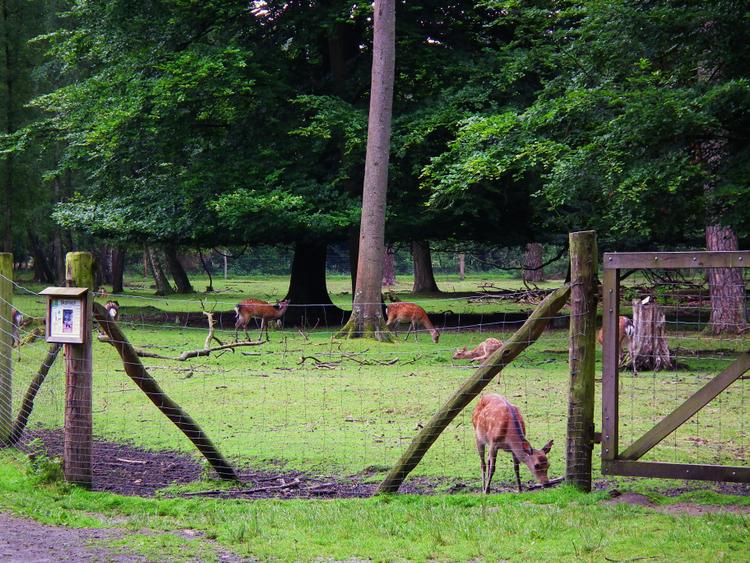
(560, 525)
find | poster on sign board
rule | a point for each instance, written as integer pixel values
(66, 320)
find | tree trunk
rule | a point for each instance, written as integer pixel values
(174, 265)
(42, 271)
(57, 240)
(424, 278)
(367, 316)
(208, 267)
(353, 254)
(10, 71)
(118, 269)
(650, 346)
(146, 261)
(163, 286)
(309, 302)
(725, 285)
(461, 266)
(532, 263)
(389, 267)
(103, 270)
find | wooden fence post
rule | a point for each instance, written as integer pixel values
(583, 293)
(79, 272)
(6, 346)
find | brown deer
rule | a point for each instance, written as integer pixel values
(499, 425)
(413, 314)
(626, 331)
(257, 309)
(480, 353)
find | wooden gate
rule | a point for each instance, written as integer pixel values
(626, 462)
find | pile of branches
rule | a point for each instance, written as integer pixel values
(530, 295)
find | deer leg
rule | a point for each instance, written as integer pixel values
(408, 332)
(518, 475)
(482, 464)
(491, 468)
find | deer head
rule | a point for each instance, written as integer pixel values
(538, 463)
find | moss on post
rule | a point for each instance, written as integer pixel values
(6, 345)
(580, 439)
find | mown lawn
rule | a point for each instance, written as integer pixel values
(559, 525)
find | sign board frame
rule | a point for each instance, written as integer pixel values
(67, 315)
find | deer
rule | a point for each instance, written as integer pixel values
(113, 310)
(480, 353)
(626, 331)
(257, 309)
(499, 425)
(16, 318)
(413, 314)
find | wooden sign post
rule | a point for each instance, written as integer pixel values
(69, 321)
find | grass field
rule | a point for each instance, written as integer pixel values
(357, 413)
(354, 415)
(552, 525)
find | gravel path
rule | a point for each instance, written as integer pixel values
(27, 541)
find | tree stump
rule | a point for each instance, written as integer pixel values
(650, 350)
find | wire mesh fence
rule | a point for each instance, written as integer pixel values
(309, 414)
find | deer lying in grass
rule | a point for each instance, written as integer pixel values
(257, 309)
(499, 425)
(480, 353)
(412, 314)
(626, 331)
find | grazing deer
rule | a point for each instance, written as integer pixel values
(480, 353)
(257, 309)
(626, 330)
(499, 425)
(412, 314)
(113, 310)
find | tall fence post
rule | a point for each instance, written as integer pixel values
(6, 346)
(583, 298)
(79, 272)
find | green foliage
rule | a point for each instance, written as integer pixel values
(41, 468)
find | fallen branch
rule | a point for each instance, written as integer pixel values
(134, 461)
(290, 485)
(550, 483)
(207, 351)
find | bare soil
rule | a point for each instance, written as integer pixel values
(23, 541)
(128, 470)
(688, 508)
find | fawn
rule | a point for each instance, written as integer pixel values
(480, 353)
(412, 314)
(257, 309)
(17, 320)
(626, 330)
(499, 425)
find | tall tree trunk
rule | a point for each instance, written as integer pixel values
(103, 271)
(726, 286)
(118, 269)
(461, 266)
(424, 277)
(353, 255)
(42, 271)
(146, 261)
(309, 302)
(10, 127)
(532, 263)
(179, 275)
(367, 315)
(57, 240)
(208, 267)
(163, 286)
(389, 267)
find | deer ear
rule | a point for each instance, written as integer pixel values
(548, 446)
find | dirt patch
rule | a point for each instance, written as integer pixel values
(24, 540)
(127, 470)
(687, 508)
